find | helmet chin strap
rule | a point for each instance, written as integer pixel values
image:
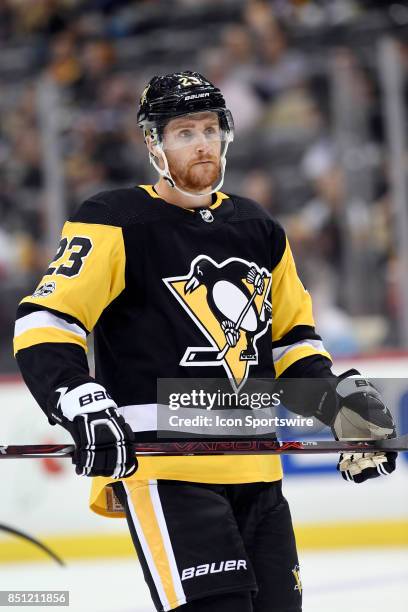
(166, 174)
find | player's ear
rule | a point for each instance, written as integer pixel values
(152, 147)
(149, 144)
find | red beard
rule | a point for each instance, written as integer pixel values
(197, 176)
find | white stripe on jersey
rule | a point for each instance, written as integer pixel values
(281, 351)
(44, 318)
(140, 417)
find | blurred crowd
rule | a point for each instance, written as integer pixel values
(278, 64)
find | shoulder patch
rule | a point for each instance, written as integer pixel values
(44, 290)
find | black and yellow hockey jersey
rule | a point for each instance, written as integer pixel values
(157, 283)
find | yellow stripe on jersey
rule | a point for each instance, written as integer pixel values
(220, 197)
(295, 353)
(47, 334)
(155, 544)
(44, 326)
(150, 190)
(100, 279)
(291, 303)
(291, 306)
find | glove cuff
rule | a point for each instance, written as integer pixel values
(86, 398)
(347, 383)
(329, 405)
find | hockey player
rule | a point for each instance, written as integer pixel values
(166, 276)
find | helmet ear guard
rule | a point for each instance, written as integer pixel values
(165, 171)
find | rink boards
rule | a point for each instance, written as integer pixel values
(44, 497)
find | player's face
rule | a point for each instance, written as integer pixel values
(193, 149)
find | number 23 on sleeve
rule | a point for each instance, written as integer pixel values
(77, 248)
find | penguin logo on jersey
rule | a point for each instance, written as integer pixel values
(298, 582)
(228, 302)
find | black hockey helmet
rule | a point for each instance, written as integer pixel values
(174, 95)
(180, 93)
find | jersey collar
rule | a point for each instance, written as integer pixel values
(219, 197)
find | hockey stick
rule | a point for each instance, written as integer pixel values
(202, 355)
(216, 447)
(25, 536)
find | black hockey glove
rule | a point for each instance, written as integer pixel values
(103, 440)
(362, 415)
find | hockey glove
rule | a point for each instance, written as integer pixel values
(103, 440)
(362, 415)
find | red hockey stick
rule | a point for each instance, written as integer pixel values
(209, 447)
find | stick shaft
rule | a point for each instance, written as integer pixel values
(220, 354)
(32, 540)
(213, 447)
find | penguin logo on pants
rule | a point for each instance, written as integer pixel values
(228, 302)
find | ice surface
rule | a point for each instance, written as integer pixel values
(372, 580)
